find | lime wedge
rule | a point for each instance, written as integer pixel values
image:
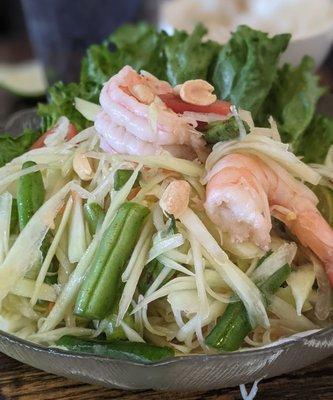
(25, 79)
(325, 205)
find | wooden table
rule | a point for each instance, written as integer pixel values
(18, 381)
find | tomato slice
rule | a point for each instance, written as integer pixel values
(72, 132)
(179, 106)
(41, 141)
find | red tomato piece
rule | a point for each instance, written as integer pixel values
(41, 141)
(179, 106)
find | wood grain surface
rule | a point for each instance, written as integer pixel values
(18, 381)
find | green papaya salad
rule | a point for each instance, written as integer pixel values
(176, 200)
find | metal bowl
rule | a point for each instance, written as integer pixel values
(187, 373)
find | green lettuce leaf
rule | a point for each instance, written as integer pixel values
(142, 47)
(293, 98)
(316, 140)
(11, 148)
(188, 57)
(246, 67)
(61, 102)
(98, 65)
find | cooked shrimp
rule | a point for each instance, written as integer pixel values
(116, 139)
(156, 85)
(244, 193)
(131, 101)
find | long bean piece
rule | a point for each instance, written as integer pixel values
(30, 194)
(124, 350)
(94, 215)
(110, 328)
(100, 290)
(14, 218)
(121, 176)
(149, 275)
(233, 326)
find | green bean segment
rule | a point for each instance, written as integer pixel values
(14, 218)
(124, 350)
(233, 326)
(94, 216)
(30, 195)
(99, 292)
(149, 275)
(121, 176)
(113, 332)
(220, 131)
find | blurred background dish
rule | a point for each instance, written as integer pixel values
(309, 22)
(60, 31)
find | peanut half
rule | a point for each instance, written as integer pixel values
(197, 92)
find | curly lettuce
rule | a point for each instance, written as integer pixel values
(11, 148)
(61, 102)
(293, 98)
(247, 66)
(188, 56)
(316, 140)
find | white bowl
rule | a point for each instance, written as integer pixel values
(317, 45)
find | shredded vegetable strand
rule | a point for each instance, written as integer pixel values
(158, 281)
(146, 188)
(5, 216)
(167, 262)
(199, 275)
(52, 336)
(283, 255)
(51, 252)
(171, 286)
(163, 161)
(164, 245)
(28, 243)
(131, 334)
(25, 288)
(284, 310)
(180, 257)
(235, 278)
(132, 282)
(65, 267)
(144, 236)
(6, 181)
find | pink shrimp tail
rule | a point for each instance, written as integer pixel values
(314, 232)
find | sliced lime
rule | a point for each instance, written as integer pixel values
(25, 79)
